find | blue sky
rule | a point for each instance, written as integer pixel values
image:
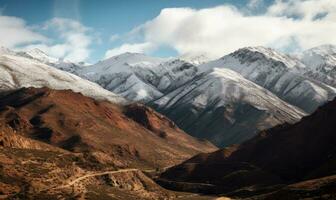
(119, 25)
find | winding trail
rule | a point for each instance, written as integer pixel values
(96, 174)
(78, 179)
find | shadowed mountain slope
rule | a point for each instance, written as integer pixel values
(225, 108)
(285, 154)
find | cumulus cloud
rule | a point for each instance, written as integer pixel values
(75, 40)
(145, 47)
(14, 31)
(71, 42)
(219, 30)
(305, 10)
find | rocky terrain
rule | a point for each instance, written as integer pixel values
(61, 144)
(62, 136)
(109, 133)
(246, 91)
(303, 82)
(223, 107)
(19, 71)
(285, 162)
(284, 75)
(34, 170)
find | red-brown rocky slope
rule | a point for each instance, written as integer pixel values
(118, 135)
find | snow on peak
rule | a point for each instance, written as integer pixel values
(224, 86)
(36, 51)
(123, 62)
(133, 57)
(318, 56)
(221, 99)
(321, 63)
(3, 49)
(254, 60)
(323, 49)
(283, 75)
(270, 54)
(41, 56)
(125, 74)
(195, 59)
(19, 71)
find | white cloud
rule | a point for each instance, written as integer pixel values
(75, 37)
(223, 29)
(306, 10)
(14, 31)
(132, 48)
(72, 39)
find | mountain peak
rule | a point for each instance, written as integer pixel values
(320, 55)
(260, 53)
(325, 49)
(39, 55)
(5, 50)
(129, 59)
(127, 55)
(195, 59)
(36, 50)
(259, 49)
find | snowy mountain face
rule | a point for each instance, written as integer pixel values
(138, 77)
(203, 103)
(197, 59)
(4, 50)
(41, 56)
(226, 100)
(321, 62)
(281, 74)
(18, 71)
(123, 75)
(38, 55)
(225, 108)
(169, 75)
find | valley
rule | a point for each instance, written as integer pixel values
(139, 127)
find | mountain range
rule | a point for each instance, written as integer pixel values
(206, 97)
(285, 162)
(52, 120)
(115, 125)
(58, 143)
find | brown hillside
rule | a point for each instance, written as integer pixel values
(122, 136)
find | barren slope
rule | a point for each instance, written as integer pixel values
(80, 124)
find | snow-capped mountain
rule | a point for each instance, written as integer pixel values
(237, 93)
(18, 71)
(321, 62)
(122, 75)
(138, 77)
(59, 63)
(4, 50)
(195, 59)
(169, 75)
(281, 74)
(225, 108)
(38, 55)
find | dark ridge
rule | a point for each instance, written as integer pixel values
(20, 98)
(283, 155)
